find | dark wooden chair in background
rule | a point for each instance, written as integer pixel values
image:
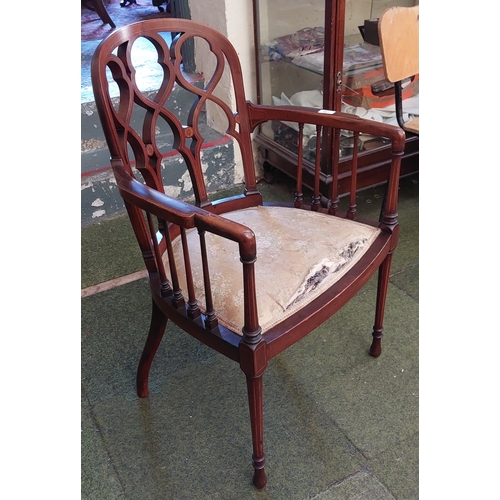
(398, 30)
(100, 10)
(247, 278)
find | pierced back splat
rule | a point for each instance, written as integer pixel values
(142, 118)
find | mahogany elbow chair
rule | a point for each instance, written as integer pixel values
(398, 29)
(247, 278)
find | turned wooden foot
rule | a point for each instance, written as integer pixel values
(376, 347)
(259, 476)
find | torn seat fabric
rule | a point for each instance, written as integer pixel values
(291, 269)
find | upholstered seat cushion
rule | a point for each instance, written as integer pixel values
(291, 269)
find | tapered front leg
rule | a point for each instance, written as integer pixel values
(383, 284)
(156, 330)
(255, 401)
(253, 362)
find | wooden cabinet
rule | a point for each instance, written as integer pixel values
(313, 53)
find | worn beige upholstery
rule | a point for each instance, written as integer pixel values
(285, 250)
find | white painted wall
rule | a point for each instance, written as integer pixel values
(234, 19)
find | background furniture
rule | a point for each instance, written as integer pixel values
(100, 9)
(399, 43)
(315, 48)
(158, 3)
(247, 278)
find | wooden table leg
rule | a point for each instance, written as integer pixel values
(102, 12)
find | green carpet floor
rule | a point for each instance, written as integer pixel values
(338, 423)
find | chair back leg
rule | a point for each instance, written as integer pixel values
(156, 331)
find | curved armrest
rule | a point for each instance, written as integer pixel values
(340, 121)
(188, 216)
(183, 214)
(259, 113)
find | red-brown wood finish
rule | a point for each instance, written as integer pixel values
(158, 218)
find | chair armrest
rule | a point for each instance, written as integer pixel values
(340, 121)
(187, 216)
(259, 113)
(181, 213)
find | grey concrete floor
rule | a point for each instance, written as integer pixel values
(338, 423)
